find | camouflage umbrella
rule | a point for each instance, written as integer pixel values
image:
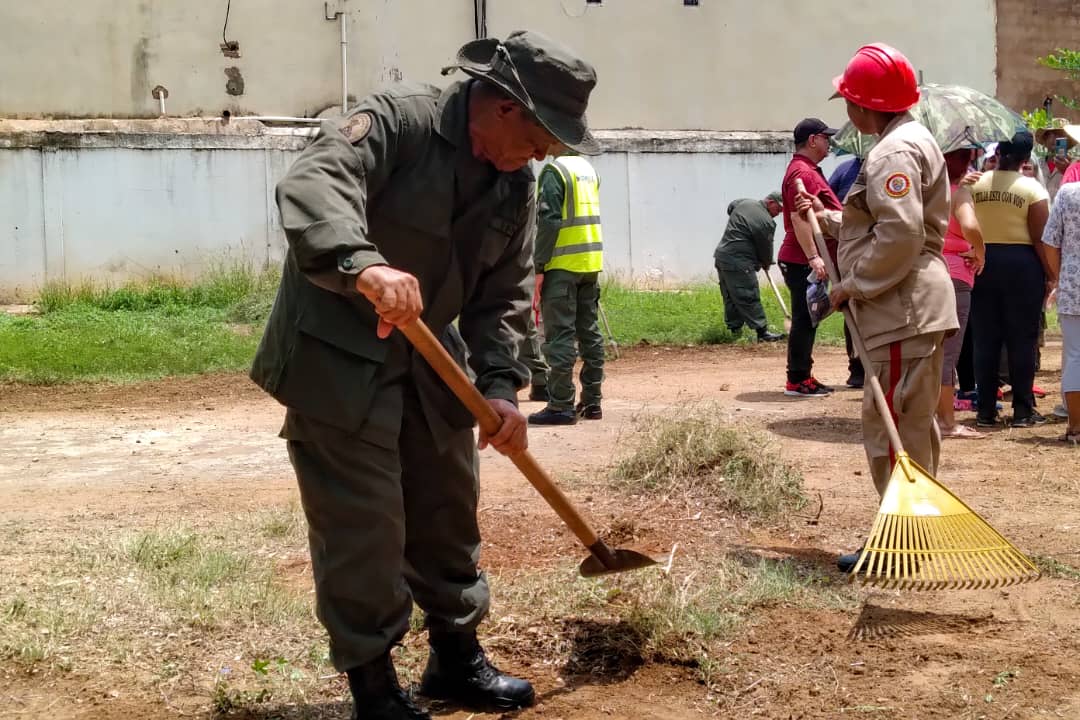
(956, 115)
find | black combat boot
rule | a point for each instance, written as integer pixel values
(458, 670)
(550, 416)
(377, 694)
(766, 335)
(592, 411)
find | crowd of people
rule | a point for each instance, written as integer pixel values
(1004, 259)
(948, 262)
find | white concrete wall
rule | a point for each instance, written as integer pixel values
(664, 213)
(111, 214)
(725, 65)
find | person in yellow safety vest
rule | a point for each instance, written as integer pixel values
(568, 256)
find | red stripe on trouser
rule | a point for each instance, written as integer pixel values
(894, 380)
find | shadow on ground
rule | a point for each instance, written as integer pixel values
(878, 623)
(822, 429)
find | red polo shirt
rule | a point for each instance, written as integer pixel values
(802, 167)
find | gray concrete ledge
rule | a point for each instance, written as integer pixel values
(241, 134)
(160, 134)
(695, 141)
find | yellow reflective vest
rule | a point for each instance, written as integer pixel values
(579, 246)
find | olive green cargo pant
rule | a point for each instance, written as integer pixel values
(742, 297)
(570, 305)
(531, 357)
(389, 523)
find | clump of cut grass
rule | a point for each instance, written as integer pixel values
(738, 470)
(611, 625)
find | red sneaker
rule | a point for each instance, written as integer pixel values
(806, 388)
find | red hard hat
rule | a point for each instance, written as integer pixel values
(879, 77)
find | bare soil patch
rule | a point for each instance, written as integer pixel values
(81, 465)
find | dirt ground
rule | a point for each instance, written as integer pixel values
(91, 460)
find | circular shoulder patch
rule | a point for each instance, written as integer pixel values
(357, 127)
(897, 185)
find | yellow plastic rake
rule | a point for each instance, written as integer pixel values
(924, 536)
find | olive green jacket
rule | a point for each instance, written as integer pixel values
(397, 184)
(748, 237)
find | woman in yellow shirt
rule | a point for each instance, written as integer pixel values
(1007, 298)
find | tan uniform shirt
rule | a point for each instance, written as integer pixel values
(891, 236)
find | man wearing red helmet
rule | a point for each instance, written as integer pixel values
(891, 234)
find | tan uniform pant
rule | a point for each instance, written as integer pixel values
(914, 400)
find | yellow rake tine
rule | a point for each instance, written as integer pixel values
(926, 566)
(986, 547)
(984, 569)
(991, 555)
(958, 541)
(958, 573)
(887, 557)
(902, 546)
(886, 572)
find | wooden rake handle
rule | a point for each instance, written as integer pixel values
(776, 292)
(427, 345)
(856, 337)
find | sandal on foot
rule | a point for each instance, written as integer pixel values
(963, 432)
(1070, 438)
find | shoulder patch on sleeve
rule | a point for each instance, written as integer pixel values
(357, 127)
(897, 185)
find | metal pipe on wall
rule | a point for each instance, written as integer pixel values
(343, 21)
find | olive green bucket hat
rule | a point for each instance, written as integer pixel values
(548, 79)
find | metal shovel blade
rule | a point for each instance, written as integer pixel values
(617, 561)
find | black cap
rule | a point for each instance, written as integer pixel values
(812, 126)
(1020, 145)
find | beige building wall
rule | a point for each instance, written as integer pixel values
(1028, 30)
(725, 65)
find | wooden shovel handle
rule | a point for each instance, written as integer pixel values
(427, 345)
(856, 337)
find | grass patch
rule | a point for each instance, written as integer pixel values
(163, 327)
(692, 315)
(1054, 568)
(83, 343)
(208, 584)
(698, 454)
(139, 331)
(95, 600)
(221, 288)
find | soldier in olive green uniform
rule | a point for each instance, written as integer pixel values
(745, 248)
(531, 354)
(420, 204)
(568, 258)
